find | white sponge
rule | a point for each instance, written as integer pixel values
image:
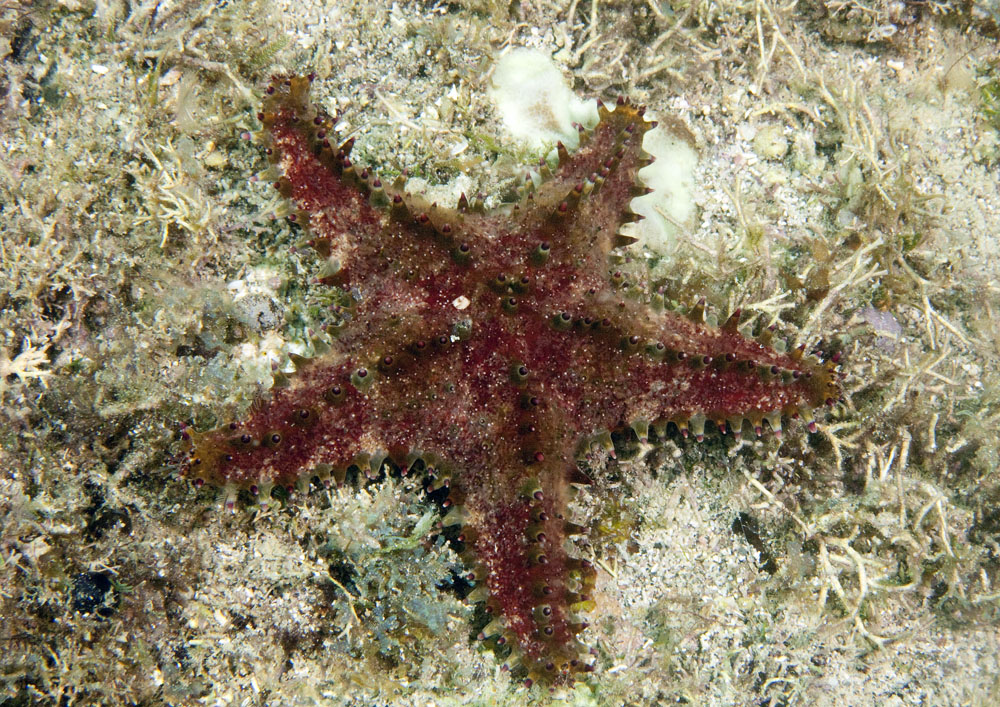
(534, 101)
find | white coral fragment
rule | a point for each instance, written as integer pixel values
(27, 366)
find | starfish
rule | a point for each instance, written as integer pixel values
(489, 351)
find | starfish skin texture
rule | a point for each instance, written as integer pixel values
(488, 351)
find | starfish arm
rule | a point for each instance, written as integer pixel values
(398, 261)
(534, 590)
(332, 197)
(666, 368)
(578, 208)
(334, 414)
(317, 419)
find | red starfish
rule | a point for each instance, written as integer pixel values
(490, 349)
